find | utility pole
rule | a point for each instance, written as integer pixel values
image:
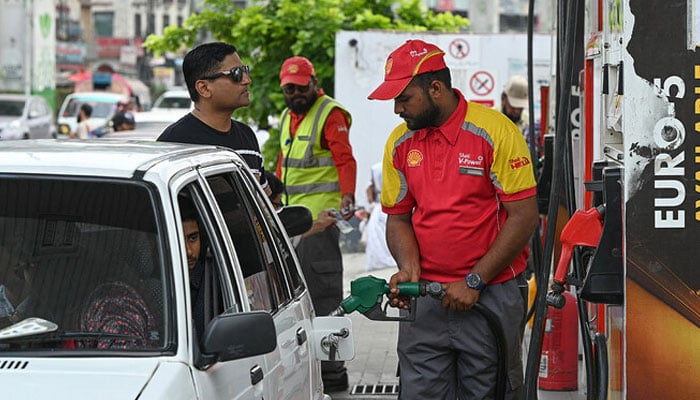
(29, 32)
(150, 18)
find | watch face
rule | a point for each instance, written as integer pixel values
(473, 280)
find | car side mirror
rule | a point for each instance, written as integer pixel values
(234, 336)
(33, 114)
(296, 219)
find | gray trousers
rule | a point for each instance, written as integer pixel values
(452, 355)
(322, 264)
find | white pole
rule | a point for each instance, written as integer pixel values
(29, 33)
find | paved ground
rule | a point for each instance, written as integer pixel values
(372, 373)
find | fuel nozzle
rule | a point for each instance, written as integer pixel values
(366, 295)
(555, 297)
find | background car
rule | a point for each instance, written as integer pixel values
(149, 124)
(25, 117)
(173, 99)
(104, 104)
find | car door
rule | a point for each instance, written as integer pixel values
(237, 379)
(37, 119)
(262, 254)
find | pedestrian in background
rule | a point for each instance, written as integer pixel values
(217, 82)
(319, 171)
(123, 121)
(459, 191)
(85, 125)
(377, 251)
(515, 100)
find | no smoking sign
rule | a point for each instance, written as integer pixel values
(482, 83)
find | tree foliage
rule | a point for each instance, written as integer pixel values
(269, 31)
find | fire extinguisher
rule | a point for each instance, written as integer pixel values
(559, 362)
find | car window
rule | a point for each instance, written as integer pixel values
(287, 265)
(212, 287)
(84, 256)
(252, 247)
(100, 109)
(11, 108)
(72, 108)
(37, 109)
(174, 102)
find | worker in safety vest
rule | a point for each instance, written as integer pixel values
(319, 171)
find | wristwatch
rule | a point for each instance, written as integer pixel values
(474, 281)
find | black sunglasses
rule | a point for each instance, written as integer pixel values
(236, 74)
(291, 88)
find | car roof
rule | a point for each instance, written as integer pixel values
(161, 115)
(96, 157)
(15, 96)
(97, 96)
(176, 93)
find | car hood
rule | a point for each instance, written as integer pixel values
(75, 378)
(5, 120)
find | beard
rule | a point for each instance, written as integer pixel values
(512, 118)
(301, 108)
(426, 118)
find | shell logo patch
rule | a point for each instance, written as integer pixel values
(389, 64)
(293, 69)
(519, 162)
(414, 158)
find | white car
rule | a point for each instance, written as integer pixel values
(96, 298)
(25, 117)
(104, 105)
(174, 99)
(149, 125)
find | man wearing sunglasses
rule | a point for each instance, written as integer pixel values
(319, 171)
(218, 83)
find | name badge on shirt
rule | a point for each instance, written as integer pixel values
(471, 171)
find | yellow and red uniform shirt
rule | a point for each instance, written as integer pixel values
(455, 178)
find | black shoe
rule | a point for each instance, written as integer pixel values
(335, 387)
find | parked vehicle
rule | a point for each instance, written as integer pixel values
(174, 99)
(25, 117)
(149, 125)
(96, 286)
(104, 104)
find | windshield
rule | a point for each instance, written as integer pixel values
(83, 256)
(11, 108)
(100, 109)
(173, 102)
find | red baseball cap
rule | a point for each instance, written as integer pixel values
(297, 70)
(413, 58)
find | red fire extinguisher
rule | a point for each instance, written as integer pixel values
(559, 362)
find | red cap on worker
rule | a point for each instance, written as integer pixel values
(413, 58)
(297, 70)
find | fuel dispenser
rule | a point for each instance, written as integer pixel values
(598, 233)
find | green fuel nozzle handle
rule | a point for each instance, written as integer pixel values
(367, 291)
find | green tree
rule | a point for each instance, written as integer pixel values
(269, 31)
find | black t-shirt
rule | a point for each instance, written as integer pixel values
(242, 139)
